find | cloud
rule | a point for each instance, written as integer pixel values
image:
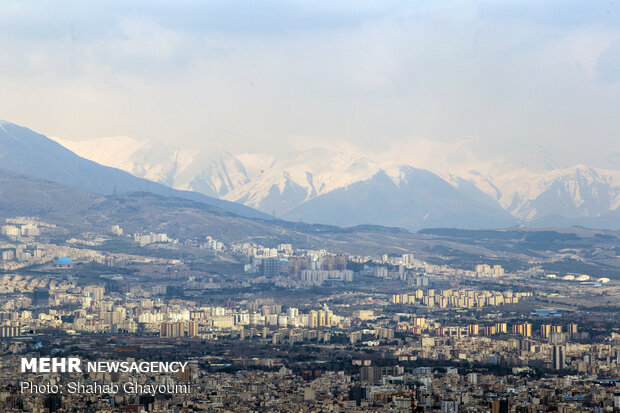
(256, 77)
(608, 62)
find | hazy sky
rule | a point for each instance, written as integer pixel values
(260, 75)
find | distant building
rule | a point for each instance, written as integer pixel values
(10, 230)
(449, 406)
(370, 374)
(544, 312)
(500, 406)
(572, 328)
(64, 262)
(10, 331)
(40, 296)
(559, 357)
(285, 248)
(270, 267)
(485, 270)
(116, 230)
(53, 402)
(151, 238)
(8, 255)
(179, 329)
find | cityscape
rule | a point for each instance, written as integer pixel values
(280, 328)
(309, 207)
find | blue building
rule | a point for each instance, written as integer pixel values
(64, 262)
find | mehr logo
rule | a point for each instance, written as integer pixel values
(51, 365)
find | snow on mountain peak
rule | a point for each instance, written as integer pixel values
(300, 175)
(528, 190)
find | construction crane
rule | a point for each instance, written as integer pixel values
(411, 396)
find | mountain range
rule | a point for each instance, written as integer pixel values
(330, 187)
(34, 155)
(324, 186)
(315, 186)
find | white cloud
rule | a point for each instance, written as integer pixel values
(274, 76)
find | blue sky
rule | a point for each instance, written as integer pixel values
(269, 76)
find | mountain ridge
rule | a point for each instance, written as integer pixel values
(293, 185)
(32, 154)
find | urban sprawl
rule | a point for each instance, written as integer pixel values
(275, 328)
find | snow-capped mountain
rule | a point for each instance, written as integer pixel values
(213, 174)
(573, 192)
(315, 185)
(262, 181)
(529, 196)
(36, 156)
(280, 184)
(330, 187)
(403, 196)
